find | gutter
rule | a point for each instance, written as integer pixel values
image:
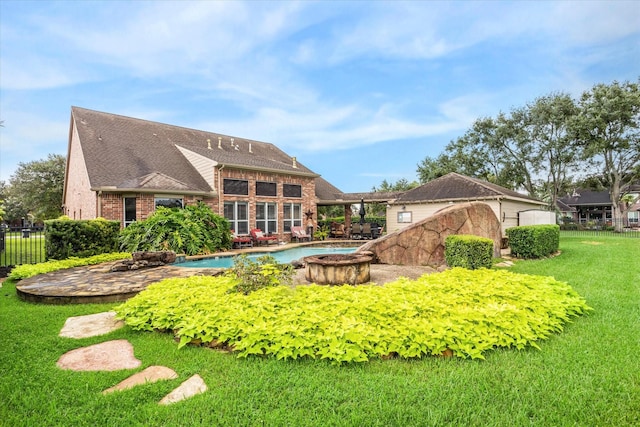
(113, 189)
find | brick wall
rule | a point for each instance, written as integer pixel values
(79, 201)
(112, 204)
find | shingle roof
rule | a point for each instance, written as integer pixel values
(563, 207)
(583, 197)
(330, 195)
(128, 153)
(454, 186)
(325, 191)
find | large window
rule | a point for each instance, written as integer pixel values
(236, 186)
(237, 213)
(169, 202)
(266, 188)
(129, 210)
(292, 216)
(291, 190)
(267, 217)
(633, 218)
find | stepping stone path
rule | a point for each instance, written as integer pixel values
(91, 325)
(116, 355)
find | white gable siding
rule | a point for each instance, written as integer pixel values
(425, 210)
(505, 210)
(204, 166)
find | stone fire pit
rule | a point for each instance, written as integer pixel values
(338, 269)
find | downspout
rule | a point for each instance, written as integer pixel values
(220, 206)
(99, 202)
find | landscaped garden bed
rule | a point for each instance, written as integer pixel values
(459, 312)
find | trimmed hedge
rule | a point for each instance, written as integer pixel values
(534, 241)
(80, 238)
(466, 251)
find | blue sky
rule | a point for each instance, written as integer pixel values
(360, 92)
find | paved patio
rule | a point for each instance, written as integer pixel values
(97, 284)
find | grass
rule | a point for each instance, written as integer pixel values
(587, 376)
(19, 250)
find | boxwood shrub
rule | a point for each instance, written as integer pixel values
(534, 241)
(471, 252)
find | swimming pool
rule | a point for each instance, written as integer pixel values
(283, 256)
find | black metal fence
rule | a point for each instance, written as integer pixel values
(21, 245)
(598, 228)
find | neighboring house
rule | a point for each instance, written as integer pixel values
(594, 209)
(122, 168)
(425, 200)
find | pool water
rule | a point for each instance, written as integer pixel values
(283, 256)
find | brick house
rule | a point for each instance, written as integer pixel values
(122, 168)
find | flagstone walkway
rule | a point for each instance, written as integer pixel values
(118, 355)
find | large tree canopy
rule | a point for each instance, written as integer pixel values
(35, 189)
(531, 148)
(545, 146)
(608, 127)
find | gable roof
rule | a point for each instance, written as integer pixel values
(125, 153)
(455, 187)
(563, 207)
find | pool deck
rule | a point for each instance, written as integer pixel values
(97, 284)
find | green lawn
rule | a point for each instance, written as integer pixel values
(19, 250)
(587, 376)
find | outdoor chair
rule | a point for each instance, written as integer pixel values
(366, 231)
(299, 234)
(241, 241)
(259, 237)
(337, 229)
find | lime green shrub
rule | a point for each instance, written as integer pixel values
(262, 273)
(468, 251)
(194, 230)
(534, 241)
(80, 238)
(29, 270)
(467, 312)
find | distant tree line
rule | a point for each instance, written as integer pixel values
(34, 192)
(553, 145)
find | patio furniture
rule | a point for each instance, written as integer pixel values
(337, 229)
(260, 238)
(299, 234)
(241, 241)
(366, 231)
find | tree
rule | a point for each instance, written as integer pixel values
(36, 188)
(379, 209)
(400, 185)
(530, 148)
(608, 127)
(554, 143)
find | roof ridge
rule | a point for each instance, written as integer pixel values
(155, 122)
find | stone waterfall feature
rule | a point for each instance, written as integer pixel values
(422, 243)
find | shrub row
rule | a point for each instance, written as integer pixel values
(83, 238)
(468, 251)
(534, 241)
